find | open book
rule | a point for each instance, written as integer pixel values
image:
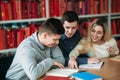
(94, 66)
(116, 58)
(61, 72)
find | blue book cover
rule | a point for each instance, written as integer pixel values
(86, 76)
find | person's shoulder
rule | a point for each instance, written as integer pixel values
(83, 40)
(112, 40)
(77, 32)
(77, 35)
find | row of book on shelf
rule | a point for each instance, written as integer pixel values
(12, 34)
(84, 25)
(24, 9)
(12, 37)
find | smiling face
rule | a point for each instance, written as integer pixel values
(70, 28)
(97, 34)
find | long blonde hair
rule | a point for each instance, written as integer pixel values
(106, 36)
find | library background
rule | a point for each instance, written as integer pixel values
(20, 18)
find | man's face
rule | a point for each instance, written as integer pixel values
(52, 40)
(70, 28)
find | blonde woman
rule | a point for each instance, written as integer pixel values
(99, 43)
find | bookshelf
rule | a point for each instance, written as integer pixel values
(109, 14)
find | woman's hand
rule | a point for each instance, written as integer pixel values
(94, 60)
(72, 62)
(111, 51)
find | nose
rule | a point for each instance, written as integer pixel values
(70, 31)
(57, 42)
(95, 34)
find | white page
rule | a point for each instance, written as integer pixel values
(61, 72)
(94, 66)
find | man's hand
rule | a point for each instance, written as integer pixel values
(59, 65)
(94, 60)
(72, 63)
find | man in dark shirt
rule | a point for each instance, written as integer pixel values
(71, 37)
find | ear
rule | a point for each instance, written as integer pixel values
(45, 34)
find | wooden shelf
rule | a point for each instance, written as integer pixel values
(8, 50)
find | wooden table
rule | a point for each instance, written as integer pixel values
(109, 71)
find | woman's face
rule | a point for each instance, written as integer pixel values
(96, 34)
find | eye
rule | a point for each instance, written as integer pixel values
(67, 27)
(74, 28)
(99, 32)
(93, 30)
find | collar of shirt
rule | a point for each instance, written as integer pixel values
(63, 37)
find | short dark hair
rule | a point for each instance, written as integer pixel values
(69, 16)
(52, 26)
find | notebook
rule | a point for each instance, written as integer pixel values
(93, 66)
(61, 72)
(86, 76)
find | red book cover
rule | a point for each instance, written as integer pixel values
(56, 8)
(34, 9)
(101, 6)
(20, 35)
(70, 5)
(3, 10)
(62, 7)
(80, 7)
(89, 5)
(83, 7)
(33, 28)
(117, 26)
(9, 8)
(27, 32)
(29, 8)
(77, 6)
(41, 7)
(16, 9)
(24, 9)
(9, 38)
(106, 6)
(113, 6)
(51, 8)
(3, 41)
(113, 26)
(55, 78)
(0, 12)
(118, 6)
(14, 38)
(95, 6)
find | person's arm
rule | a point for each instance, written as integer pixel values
(79, 49)
(116, 50)
(113, 50)
(58, 56)
(34, 69)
